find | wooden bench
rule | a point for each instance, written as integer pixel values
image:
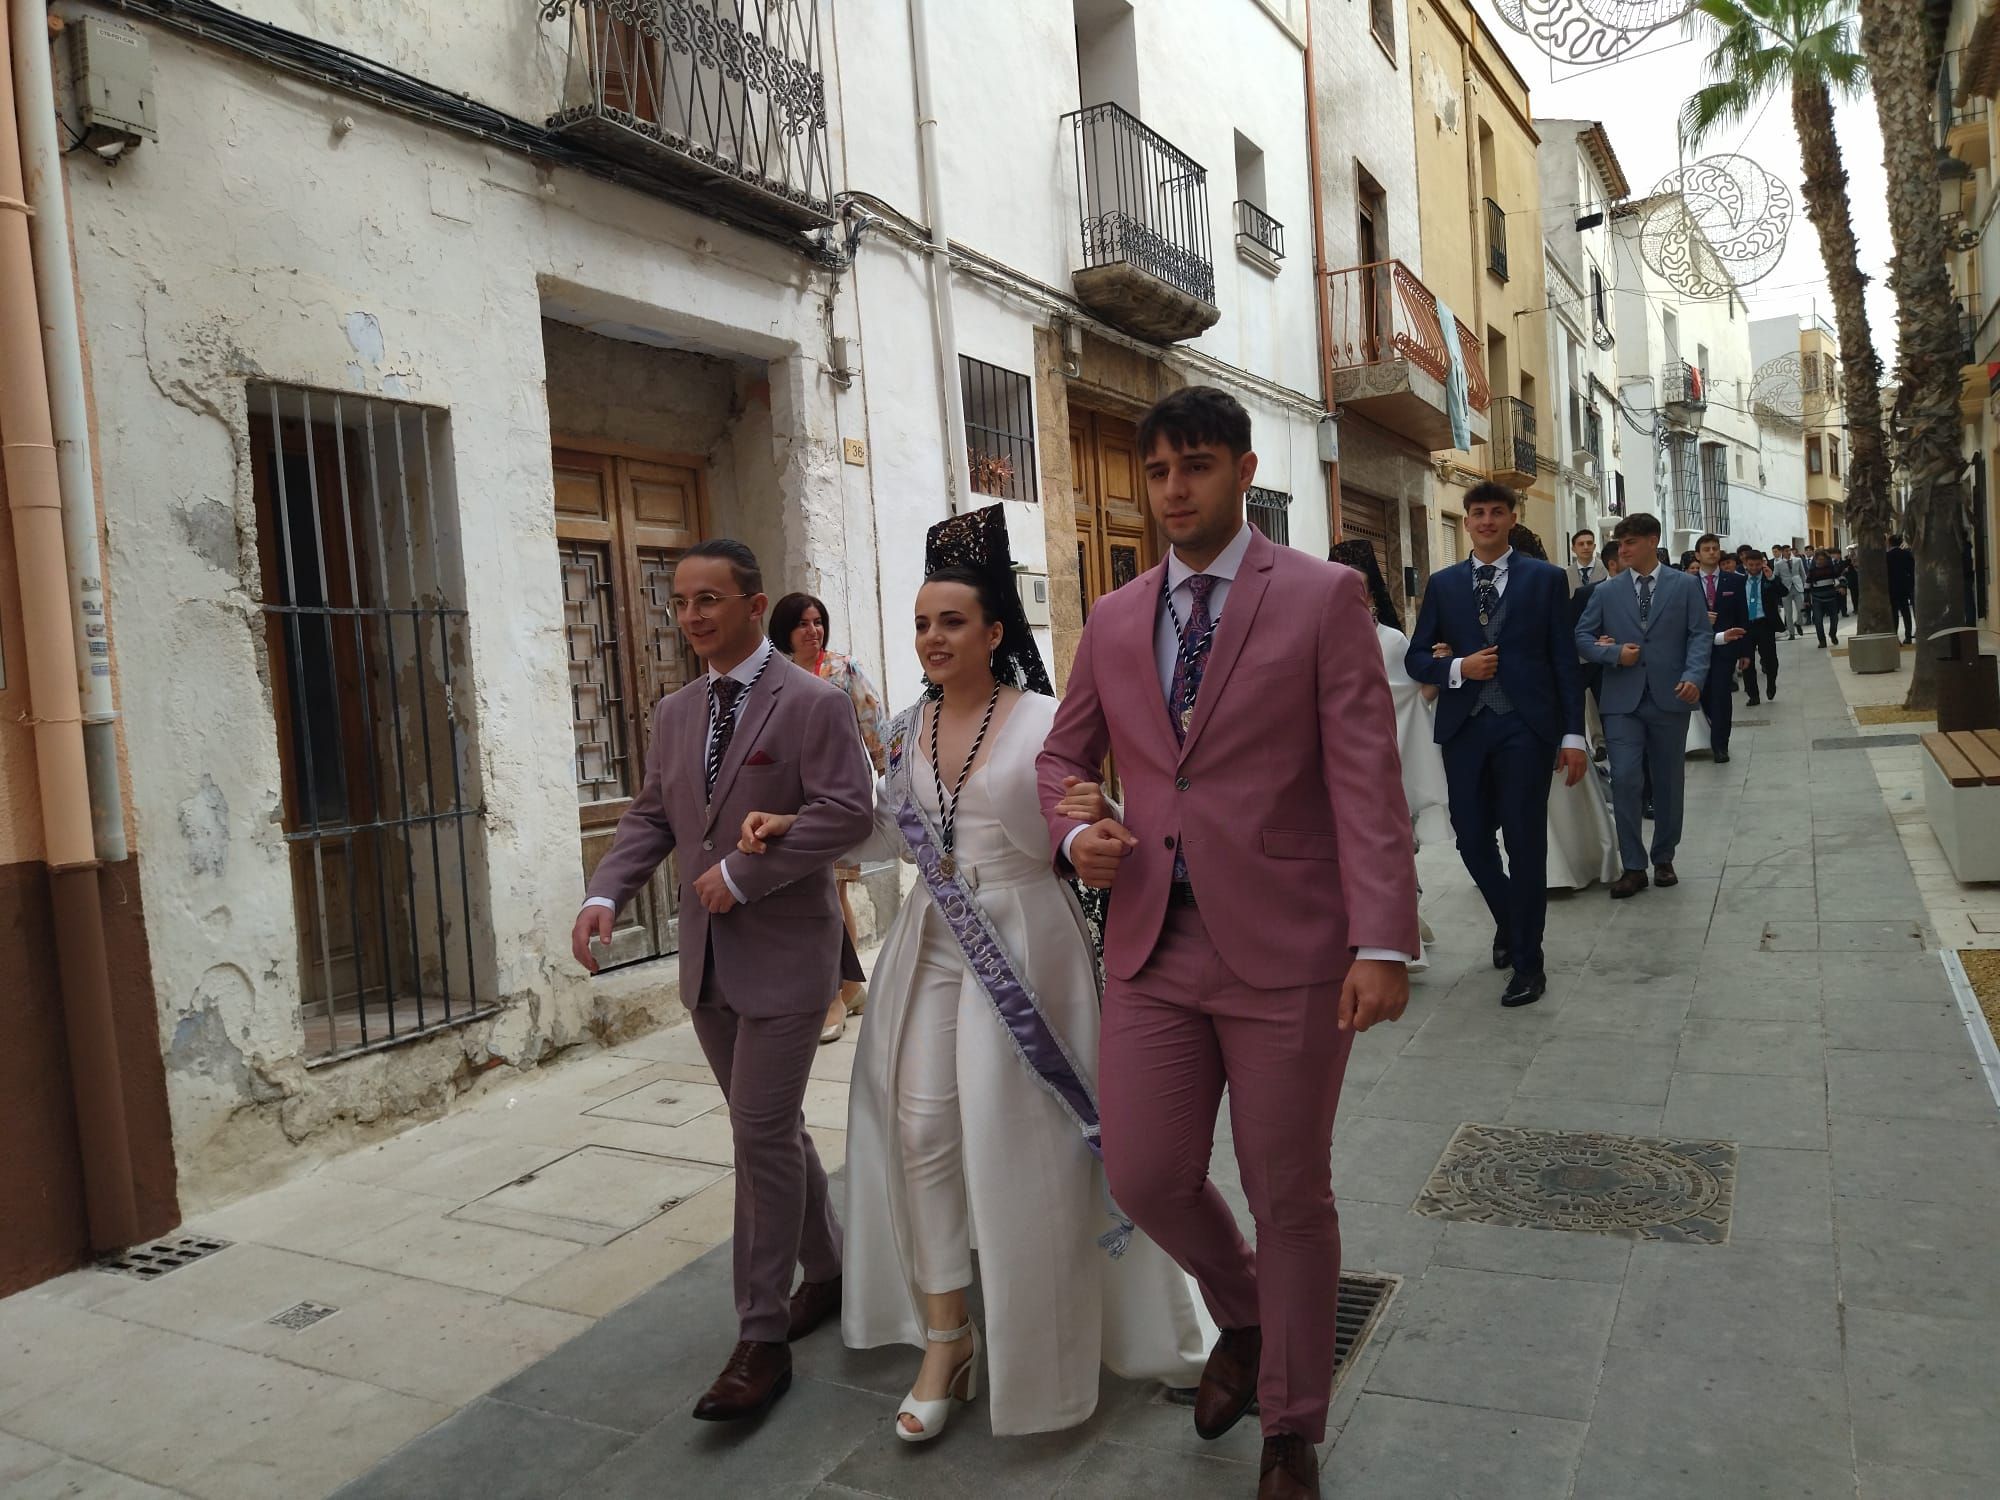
(1962, 798)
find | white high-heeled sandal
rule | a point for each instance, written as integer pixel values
(933, 1415)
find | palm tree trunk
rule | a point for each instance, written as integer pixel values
(1868, 514)
(1903, 62)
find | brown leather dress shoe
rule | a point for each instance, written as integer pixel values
(1290, 1469)
(1629, 884)
(812, 1304)
(755, 1377)
(1228, 1381)
(1664, 875)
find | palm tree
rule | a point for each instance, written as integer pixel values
(1807, 48)
(1903, 48)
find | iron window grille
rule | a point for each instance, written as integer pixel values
(725, 95)
(1513, 436)
(1270, 512)
(1715, 486)
(1144, 201)
(381, 815)
(1686, 474)
(1496, 239)
(999, 429)
(1253, 224)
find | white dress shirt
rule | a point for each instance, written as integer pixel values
(1569, 741)
(745, 672)
(1167, 646)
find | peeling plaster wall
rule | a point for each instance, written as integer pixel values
(254, 242)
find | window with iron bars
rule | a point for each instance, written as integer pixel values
(1686, 473)
(999, 429)
(1715, 486)
(367, 644)
(1269, 511)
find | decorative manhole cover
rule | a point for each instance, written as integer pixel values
(302, 1315)
(150, 1262)
(1679, 1192)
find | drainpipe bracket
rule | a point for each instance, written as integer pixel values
(19, 205)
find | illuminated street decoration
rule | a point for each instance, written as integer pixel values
(1715, 225)
(1777, 391)
(1589, 31)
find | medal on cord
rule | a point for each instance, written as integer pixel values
(1190, 653)
(948, 809)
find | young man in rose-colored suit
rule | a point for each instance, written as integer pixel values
(760, 938)
(1264, 907)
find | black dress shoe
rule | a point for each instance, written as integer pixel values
(1722, 757)
(1629, 884)
(1228, 1381)
(1503, 953)
(1524, 989)
(1663, 875)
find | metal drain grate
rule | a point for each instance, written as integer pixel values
(150, 1262)
(1867, 741)
(1364, 1297)
(302, 1315)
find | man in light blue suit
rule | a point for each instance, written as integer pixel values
(1649, 629)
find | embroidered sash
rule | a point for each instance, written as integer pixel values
(1036, 1042)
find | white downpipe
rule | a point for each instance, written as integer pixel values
(944, 327)
(69, 413)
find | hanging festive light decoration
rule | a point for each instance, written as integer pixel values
(1777, 391)
(1715, 225)
(1589, 31)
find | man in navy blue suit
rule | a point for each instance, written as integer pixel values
(1509, 711)
(1729, 618)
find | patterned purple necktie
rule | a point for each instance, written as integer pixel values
(1190, 661)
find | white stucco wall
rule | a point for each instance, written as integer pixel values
(1364, 105)
(249, 243)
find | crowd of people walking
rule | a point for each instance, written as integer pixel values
(1038, 1075)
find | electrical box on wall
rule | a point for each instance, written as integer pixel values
(1034, 589)
(113, 69)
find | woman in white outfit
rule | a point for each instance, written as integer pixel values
(955, 1140)
(1424, 786)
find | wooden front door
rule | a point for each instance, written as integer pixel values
(623, 520)
(1114, 534)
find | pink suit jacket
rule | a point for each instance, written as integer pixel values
(1288, 794)
(778, 953)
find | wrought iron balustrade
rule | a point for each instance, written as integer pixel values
(724, 95)
(1968, 328)
(1256, 225)
(1381, 312)
(1684, 384)
(1513, 441)
(1496, 239)
(1144, 201)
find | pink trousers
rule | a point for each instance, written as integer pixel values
(1175, 1035)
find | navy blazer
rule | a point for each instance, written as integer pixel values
(1538, 666)
(1732, 612)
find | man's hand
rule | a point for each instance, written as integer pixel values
(1734, 634)
(713, 892)
(593, 922)
(1083, 801)
(1572, 763)
(1711, 617)
(1097, 851)
(1607, 640)
(1481, 665)
(1628, 654)
(1441, 651)
(760, 828)
(1687, 692)
(1376, 989)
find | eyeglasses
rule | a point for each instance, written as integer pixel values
(701, 604)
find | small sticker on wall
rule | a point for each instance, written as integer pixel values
(854, 450)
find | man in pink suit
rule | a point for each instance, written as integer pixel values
(1264, 905)
(759, 938)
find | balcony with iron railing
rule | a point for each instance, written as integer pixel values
(1391, 361)
(726, 97)
(1148, 262)
(1962, 113)
(1511, 449)
(1259, 237)
(1496, 239)
(1684, 389)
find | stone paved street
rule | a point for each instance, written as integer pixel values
(1786, 997)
